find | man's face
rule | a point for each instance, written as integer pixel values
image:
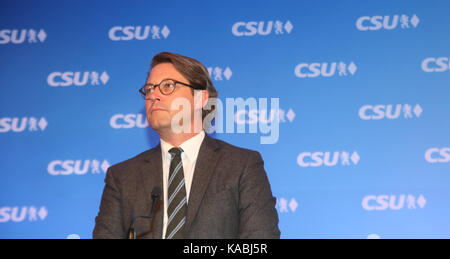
(159, 112)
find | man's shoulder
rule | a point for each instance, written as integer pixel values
(132, 163)
(235, 152)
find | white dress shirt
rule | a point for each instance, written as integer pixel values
(191, 147)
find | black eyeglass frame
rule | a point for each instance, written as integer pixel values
(143, 89)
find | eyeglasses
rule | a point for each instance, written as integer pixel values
(166, 87)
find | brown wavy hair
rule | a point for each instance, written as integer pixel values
(193, 71)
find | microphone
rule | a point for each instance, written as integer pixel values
(156, 193)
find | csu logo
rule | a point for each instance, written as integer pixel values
(128, 121)
(316, 159)
(218, 73)
(77, 167)
(325, 69)
(387, 22)
(261, 28)
(22, 124)
(378, 112)
(393, 202)
(254, 116)
(70, 78)
(441, 64)
(25, 213)
(26, 35)
(286, 205)
(119, 33)
(438, 155)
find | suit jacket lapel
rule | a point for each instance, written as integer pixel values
(151, 175)
(204, 168)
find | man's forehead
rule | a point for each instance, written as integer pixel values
(163, 71)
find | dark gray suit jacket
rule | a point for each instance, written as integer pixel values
(230, 196)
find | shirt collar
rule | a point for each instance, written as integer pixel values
(190, 147)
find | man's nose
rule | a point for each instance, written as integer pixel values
(155, 95)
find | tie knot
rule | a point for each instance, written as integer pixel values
(176, 151)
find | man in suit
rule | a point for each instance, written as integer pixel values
(210, 189)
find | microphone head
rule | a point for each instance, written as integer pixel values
(156, 192)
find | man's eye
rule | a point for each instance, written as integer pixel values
(169, 85)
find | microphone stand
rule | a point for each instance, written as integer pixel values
(155, 196)
(131, 231)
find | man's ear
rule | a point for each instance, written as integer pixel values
(205, 97)
(200, 98)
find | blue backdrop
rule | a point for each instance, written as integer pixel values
(363, 86)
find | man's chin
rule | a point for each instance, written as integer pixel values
(159, 125)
